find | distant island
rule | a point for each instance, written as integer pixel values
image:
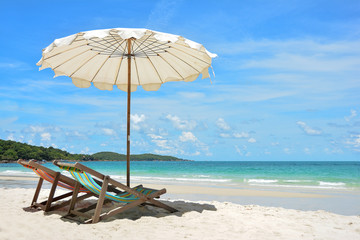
(11, 151)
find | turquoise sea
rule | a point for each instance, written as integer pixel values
(312, 175)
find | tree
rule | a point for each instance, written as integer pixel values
(10, 154)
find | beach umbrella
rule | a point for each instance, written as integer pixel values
(127, 58)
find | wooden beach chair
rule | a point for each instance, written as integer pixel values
(56, 179)
(98, 184)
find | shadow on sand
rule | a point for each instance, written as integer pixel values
(136, 212)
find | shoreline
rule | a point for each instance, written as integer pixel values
(343, 202)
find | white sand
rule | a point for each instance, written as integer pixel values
(196, 220)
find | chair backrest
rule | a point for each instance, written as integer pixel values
(49, 175)
(84, 175)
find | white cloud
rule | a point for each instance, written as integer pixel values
(36, 129)
(86, 150)
(161, 14)
(238, 150)
(154, 136)
(252, 140)
(163, 143)
(307, 129)
(187, 136)
(197, 153)
(136, 119)
(225, 135)
(15, 65)
(353, 114)
(242, 151)
(222, 124)
(181, 124)
(334, 150)
(296, 55)
(354, 142)
(108, 131)
(241, 135)
(307, 150)
(46, 136)
(191, 95)
(11, 137)
(302, 45)
(75, 135)
(299, 62)
(287, 150)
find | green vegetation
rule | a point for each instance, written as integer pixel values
(12, 151)
(111, 156)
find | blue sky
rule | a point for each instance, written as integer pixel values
(286, 88)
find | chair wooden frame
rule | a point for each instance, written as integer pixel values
(105, 182)
(56, 179)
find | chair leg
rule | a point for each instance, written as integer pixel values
(100, 202)
(52, 192)
(74, 197)
(37, 191)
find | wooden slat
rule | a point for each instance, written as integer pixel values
(37, 191)
(121, 209)
(52, 192)
(101, 200)
(74, 197)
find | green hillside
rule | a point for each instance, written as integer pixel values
(12, 151)
(111, 156)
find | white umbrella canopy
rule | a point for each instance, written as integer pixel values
(98, 57)
(127, 58)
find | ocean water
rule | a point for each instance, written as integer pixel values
(311, 175)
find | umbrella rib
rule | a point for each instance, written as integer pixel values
(99, 69)
(88, 60)
(122, 58)
(147, 49)
(184, 62)
(104, 48)
(102, 65)
(119, 43)
(189, 53)
(71, 58)
(142, 42)
(117, 74)
(156, 47)
(171, 66)
(64, 51)
(152, 64)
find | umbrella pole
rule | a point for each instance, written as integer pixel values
(128, 116)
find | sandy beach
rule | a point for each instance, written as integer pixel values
(195, 219)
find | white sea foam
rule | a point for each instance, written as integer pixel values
(16, 173)
(266, 181)
(302, 186)
(331, 183)
(296, 181)
(169, 179)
